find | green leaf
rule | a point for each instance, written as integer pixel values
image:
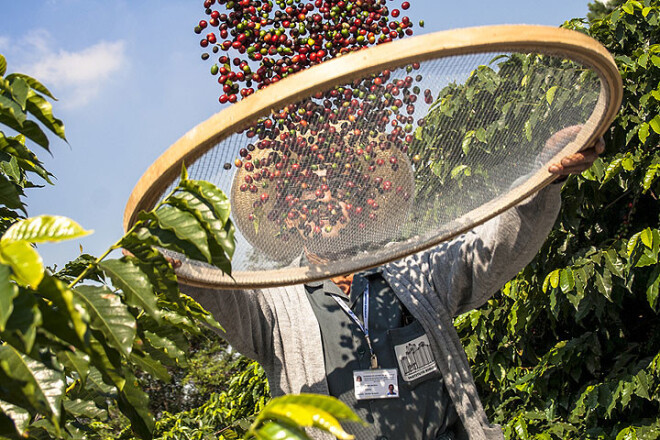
(12, 170)
(652, 288)
(632, 243)
(30, 384)
(211, 195)
(221, 236)
(156, 237)
(73, 269)
(553, 279)
(642, 385)
(613, 169)
(198, 312)
(328, 404)
(134, 283)
(166, 345)
(480, 134)
(656, 94)
(628, 8)
(655, 60)
(528, 131)
(604, 283)
(20, 420)
(627, 433)
(109, 316)
(3, 65)
(12, 111)
(85, 408)
(613, 263)
(566, 280)
(26, 158)
(63, 298)
(26, 264)
(159, 270)
(10, 195)
(304, 416)
(649, 177)
(43, 111)
(278, 431)
(520, 428)
(33, 83)
(185, 226)
(30, 129)
(97, 384)
(628, 164)
(655, 124)
(134, 404)
(643, 59)
(75, 361)
(8, 291)
(44, 228)
(19, 91)
(150, 365)
(458, 170)
(21, 327)
(647, 238)
(550, 94)
(467, 140)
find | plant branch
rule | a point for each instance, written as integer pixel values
(90, 266)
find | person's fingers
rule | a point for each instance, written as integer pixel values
(585, 156)
(574, 161)
(175, 263)
(575, 169)
(600, 145)
(580, 161)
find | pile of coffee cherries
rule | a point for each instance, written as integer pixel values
(331, 158)
(263, 41)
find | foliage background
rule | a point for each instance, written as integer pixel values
(570, 347)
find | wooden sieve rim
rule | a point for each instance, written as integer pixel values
(502, 38)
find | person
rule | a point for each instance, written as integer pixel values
(390, 390)
(311, 338)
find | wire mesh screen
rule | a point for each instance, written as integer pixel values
(373, 169)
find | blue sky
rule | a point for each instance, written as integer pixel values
(130, 82)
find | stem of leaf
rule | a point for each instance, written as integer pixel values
(117, 245)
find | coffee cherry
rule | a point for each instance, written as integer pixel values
(287, 36)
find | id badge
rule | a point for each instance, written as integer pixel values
(381, 383)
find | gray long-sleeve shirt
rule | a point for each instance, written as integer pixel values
(277, 326)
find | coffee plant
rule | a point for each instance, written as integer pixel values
(570, 347)
(72, 343)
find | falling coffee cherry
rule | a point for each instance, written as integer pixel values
(271, 40)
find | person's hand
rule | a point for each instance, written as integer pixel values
(578, 162)
(174, 262)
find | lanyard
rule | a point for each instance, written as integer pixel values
(363, 326)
